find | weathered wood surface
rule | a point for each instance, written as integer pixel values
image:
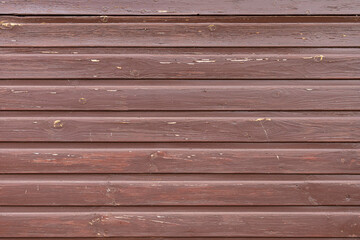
(181, 32)
(174, 238)
(180, 7)
(177, 95)
(178, 190)
(246, 158)
(179, 120)
(180, 222)
(180, 127)
(175, 64)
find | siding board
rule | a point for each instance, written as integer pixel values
(183, 190)
(182, 95)
(180, 127)
(284, 158)
(173, 64)
(181, 7)
(184, 222)
(182, 33)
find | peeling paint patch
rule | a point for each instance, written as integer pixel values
(7, 25)
(49, 52)
(18, 91)
(263, 119)
(205, 61)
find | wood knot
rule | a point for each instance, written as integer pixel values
(318, 58)
(211, 27)
(58, 124)
(104, 19)
(82, 100)
(134, 73)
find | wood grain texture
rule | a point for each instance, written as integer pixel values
(174, 64)
(180, 222)
(180, 127)
(282, 158)
(180, 7)
(174, 238)
(179, 95)
(236, 32)
(178, 190)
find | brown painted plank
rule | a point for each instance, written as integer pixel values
(21, 33)
(180, 7)
(180, 158)
(178, 190)
(215, 63)
(180, 127)
(176, 238)
(179, 19)
(183, 222)
(177, 95)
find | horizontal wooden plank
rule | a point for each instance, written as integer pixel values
(178, 95)
(180, 19)
(177, 238)
(181, 7)
(180, 127)
(170, 222)
(197, 64)
(21, 32)
(182, 190)
(180, 158)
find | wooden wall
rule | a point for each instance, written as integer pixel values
(179, 120)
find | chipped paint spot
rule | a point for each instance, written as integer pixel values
(162, 11)
(308, 89)
(171, 123)
(118, 67)
(111, 90)
(58, 124)
(165, 62)
(95, 60)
